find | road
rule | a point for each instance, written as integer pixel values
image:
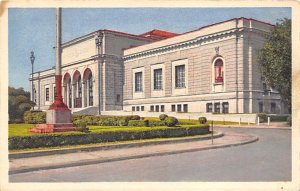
(268, 159)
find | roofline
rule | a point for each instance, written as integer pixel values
(206, 27)
(105, 30)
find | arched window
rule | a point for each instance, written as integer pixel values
(218, 71)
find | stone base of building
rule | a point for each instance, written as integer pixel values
(52, 128)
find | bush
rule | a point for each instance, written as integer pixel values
(138, 123)
(163, 117)
(153, 123)
(171, 121)
(262, 117)
(278, 118)
(35, 117)
(202, 120)
(289, 120)
(52, 140)
(82, 127)
(123, 122)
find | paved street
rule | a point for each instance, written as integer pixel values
(268, 159)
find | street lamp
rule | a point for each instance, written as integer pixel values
(32, 58)
(98, 41)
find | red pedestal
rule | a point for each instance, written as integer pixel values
(58, 118)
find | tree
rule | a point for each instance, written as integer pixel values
(275, 59)
(18, 103)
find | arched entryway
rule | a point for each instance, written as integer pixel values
(88, 88)
(67, 84)
(77, 89)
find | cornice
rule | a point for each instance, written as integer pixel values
(198, 41)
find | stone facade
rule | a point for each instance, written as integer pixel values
(83, 69)
(234, 42)
(211, 69)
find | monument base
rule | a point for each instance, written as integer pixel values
(56, 121)
(52, 128)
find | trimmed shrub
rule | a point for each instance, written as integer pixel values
(202, 120)
(153, 123)
(278, 118)
(171, 121)
(163, 116)
(35, 117)
(262, 117)
(82, 127)
(52, 140)
(137, 123)
(123, 122)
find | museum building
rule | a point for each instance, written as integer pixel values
(210, 69)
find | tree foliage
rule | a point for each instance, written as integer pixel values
(275, 59)
(18, 103)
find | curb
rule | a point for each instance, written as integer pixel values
(97, 161)
(252, 127)
(110, 146)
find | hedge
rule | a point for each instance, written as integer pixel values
(88, 138)
(37, 117)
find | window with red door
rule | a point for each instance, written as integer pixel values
(218, 71)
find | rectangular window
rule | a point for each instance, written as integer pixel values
(260, 107)
(54, 92)
(185, 107)
(209, 107)
(179, 108)
(138, 82)
(47, 94)
(217, 107)
(133, 108)
(142, 108)
(152, 108)
(137, 108)
(273, 107)
(225, 107)
(157, 108)
(162, 108)
(173, 108)
(157, 79)
(118, 98)
(180, 76)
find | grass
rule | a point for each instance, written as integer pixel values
(23, 129)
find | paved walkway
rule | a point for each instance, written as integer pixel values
(21, 165)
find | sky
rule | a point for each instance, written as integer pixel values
(33, 29)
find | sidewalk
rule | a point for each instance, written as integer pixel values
(273, 125)
(136, 150)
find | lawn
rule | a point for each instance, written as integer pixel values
(15, 130)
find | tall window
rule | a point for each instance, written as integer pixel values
(79, 87)
(273, 107)
(138, 82)
(70, 92)
(47, 94)
(185, 108)
(260, 107)
(217, 107)
(219, 71)
(158, 79)
(179, 108)
(34, 95)
(54, 92)
(173, 108)
(180, 76)
(157, 108)
(209, 107)
(90, 89)
(152, 108)
(225, 107)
